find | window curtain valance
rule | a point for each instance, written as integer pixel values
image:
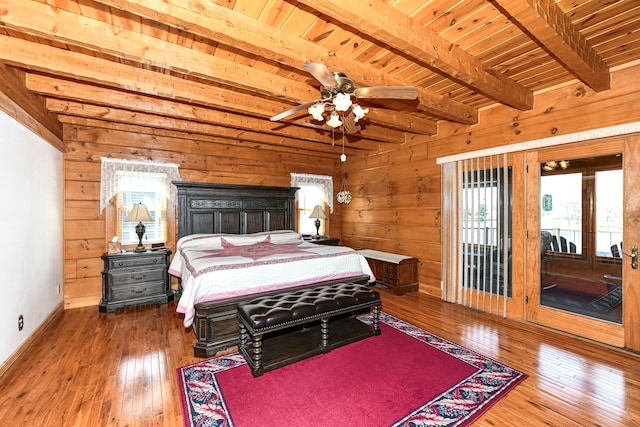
(324, 181)
(112, 169)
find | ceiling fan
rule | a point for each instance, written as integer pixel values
(336, 92)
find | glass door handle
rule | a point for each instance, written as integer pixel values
(634, 257)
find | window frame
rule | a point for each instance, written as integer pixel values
(325, 184)
(108, 199)
(300, 211)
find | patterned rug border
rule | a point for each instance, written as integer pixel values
(203, 404)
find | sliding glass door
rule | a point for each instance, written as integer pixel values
(581, 269)
(581, 236)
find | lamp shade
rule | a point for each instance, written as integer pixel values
(317, 212)
(334, 121)
(139, 212)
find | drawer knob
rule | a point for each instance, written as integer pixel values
(120, 264)
(140, 291)
(138, 277)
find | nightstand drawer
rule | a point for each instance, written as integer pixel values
(124, 277)
(136, 261)
(138, 290)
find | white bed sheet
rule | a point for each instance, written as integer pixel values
(216, 267)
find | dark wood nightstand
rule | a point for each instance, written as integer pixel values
(135, 278)
(325, 241)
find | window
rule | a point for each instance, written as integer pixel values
(314, 190)
(609, 198)
(486, 227)
(562, 216)
(476, 232)
(145, 188)
(124, 183)
(582, 207)
(308, 197)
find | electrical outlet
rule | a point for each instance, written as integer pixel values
(20, 322)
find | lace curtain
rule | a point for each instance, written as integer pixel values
(324, 181)
(112, 169)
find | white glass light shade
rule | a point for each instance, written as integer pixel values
(359, 112)
(334, 121)
(342, 101)
(316, 111)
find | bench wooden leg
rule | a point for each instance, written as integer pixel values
(244, 336)
(376, 320)
(257, 356)
(324, 335)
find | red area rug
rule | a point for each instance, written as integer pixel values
(406, 376)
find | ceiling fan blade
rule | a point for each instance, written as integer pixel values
(387, 92)
(322, 74)
(292, 111)
(349, 123)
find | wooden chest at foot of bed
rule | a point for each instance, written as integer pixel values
(281, 329)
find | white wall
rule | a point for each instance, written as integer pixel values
(31, 215)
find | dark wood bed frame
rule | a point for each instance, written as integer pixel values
(234, 209)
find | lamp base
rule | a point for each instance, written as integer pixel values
(317, 224)
(316, 237)
(140, 229)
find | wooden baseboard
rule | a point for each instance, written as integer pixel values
(83, 301)
(26, 346)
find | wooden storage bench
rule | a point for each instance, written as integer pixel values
(398, 272)
(287, 327)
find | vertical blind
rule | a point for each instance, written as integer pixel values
(476, 233)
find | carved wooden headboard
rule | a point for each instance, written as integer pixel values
(234, 209)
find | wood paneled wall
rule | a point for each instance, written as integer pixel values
(200, 159)
(396, 193)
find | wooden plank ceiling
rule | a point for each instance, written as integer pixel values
(223, 68)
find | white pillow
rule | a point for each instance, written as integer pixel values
(213, 241)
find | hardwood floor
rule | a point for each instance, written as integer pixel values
(93, 369)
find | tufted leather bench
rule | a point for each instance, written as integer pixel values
(272, 324)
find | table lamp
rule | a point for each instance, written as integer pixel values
(317, 213)
(138, 214)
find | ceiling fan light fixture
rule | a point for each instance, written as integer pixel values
(359, 112)
(342, 101)
(316, 111)
(334, 121)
